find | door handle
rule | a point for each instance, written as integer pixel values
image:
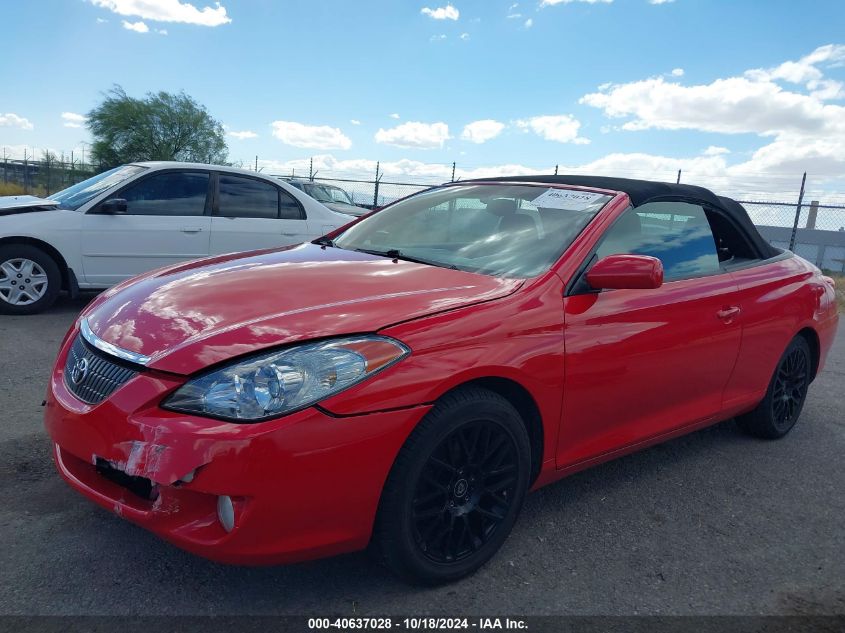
(191, 229)
(726, 314)
(290, 234)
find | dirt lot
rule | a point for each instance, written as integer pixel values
(713, 523)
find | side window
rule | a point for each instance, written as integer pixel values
(288, 207)
(677, 233)
(173, 193)
(247, 198)
(733, 248)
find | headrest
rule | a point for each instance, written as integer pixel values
(501, 206)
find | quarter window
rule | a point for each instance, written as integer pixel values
(174, 193)
(247, 198)
(677, 233)
(289, 208)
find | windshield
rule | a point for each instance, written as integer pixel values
(328, 193)
(75, 196)
(500, 230)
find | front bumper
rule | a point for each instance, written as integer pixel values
(303, 486)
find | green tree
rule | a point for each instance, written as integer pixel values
(161, 126)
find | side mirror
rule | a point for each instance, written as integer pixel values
(113, 206)
(626, 272)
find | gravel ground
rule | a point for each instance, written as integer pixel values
(712, 523)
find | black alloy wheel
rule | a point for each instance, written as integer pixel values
(465, 491)
(779, 410)
(455, 489)
(790, 388)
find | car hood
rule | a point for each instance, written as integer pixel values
(187, 317)
(25, 204)
(347, 209)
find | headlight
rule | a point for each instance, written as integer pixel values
(270, 385)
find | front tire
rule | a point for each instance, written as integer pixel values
(775, 416)
(30, 279)
(455, 489)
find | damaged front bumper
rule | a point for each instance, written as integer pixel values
(303, 486)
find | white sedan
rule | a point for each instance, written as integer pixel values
(141, 216)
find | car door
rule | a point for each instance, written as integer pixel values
(251, 213)
(643, 363)
(166, 221)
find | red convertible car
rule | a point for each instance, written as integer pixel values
(403, 382)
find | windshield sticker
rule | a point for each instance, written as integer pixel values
(567, 199)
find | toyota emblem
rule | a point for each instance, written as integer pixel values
(79, 371)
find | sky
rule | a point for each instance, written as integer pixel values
(746, 94)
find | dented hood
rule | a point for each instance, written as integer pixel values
(25, 204)
(191, 316)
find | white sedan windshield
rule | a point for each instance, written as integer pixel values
(76, 195)
(501, 230)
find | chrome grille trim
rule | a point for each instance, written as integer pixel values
(102, 378)
(108, 348)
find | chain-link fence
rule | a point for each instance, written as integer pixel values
(42, 177)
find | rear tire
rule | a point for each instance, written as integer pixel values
(30, 280)
(775, 416)
(455, 490)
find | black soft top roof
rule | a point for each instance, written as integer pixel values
(643, 191)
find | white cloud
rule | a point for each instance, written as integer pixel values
(464, 36)
(805, 69)
(482, 131)
(242, 135)
(715, 150)
(101, 21)
(11, 119)
(561, 128)
(806, 132)
(71, 119)
(161, 31)
(437, 38)
(528, 23)
(310, 136)
(395, 115)
(549, 3)
(167, 11)
(660, 1)
(138, 27)
(513, 16)
(354, 121)
(677, 72)
(442, 13)
(414, 134)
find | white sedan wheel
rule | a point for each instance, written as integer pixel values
(22, 281)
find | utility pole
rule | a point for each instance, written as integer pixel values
(453, 171)
(556, 166)
(678, 181)
(256, 163)
(797, 213)
(311, 170)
